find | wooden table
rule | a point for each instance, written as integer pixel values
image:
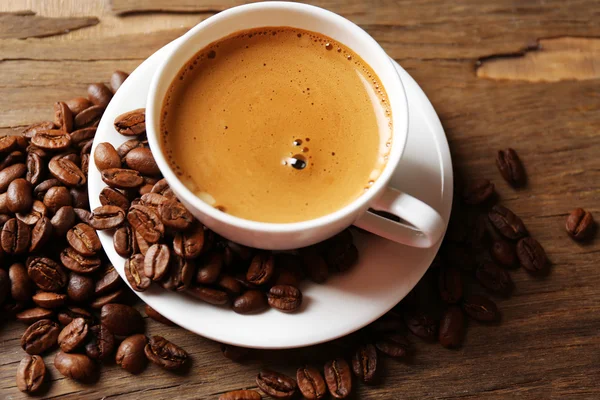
(499, 72)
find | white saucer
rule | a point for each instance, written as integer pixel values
(385, 273)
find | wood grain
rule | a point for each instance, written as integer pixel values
(25, 24)
(547, 345)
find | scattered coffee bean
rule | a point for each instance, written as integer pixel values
(146, 222)
(120, 178)
(503, 252)
(80, 288)
(478, 191)
(106, 157)
(580, 224)
(107, 281)
(112, 297)
(75, 366)
(311, 383)
(46, 274)
(21, 287)
(78, 104)
(261, 269)
(52, 140)
(210, 269)
(421, 324)
(276, 385)
(121, 320)
(63, 117)
(132, 123)
(394, 345)
(510, 167)
(83, 135)
(234, 353)
(66, 171)
(241, 395)
(15, 237)
(252, 301)
(209, 295)
(19, 197)
(40, 234)
(124, 241)
(40, 336)
(364, 363)
(494, 278)
(338, 378)
(88, 117)
(481, 308)
(57, 197)
(35, 169)
(452, 327)
(164, 353)
(180, 274)
(99, 94)
(73, 335)
(66, 316)
(189, 244)
(134, 272)
(107, 217)
(32, 129)
(141, 160)
(285, 298)
(35, 314)
(507, 223)
(152, 313)
(101, 343)
(31, 374)
(49, 299)
(130, 354)
(79, 263)
(531, 255)
(112, 197)
(84, 240)
(117, 79)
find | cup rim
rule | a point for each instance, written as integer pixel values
(400, 124)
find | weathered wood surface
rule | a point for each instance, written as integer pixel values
(548, 345)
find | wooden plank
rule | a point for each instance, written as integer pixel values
(23, 25)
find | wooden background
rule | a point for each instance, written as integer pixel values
(500, 73)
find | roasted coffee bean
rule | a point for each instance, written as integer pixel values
(180, 274)
(116, 80)
(49, 299)
(210, 269)
(364, 363)
(57, 197)
(107, 281)
(66, 171)
(241, 395)
(145, 189)
(19, 198)
(129, 145)
(32, 315)
(78, 104)
(230, 285)
(531, 255)
(46, 274)
(122, 178)
(156, 262)
(209, 295)
(107, 217)
(481, 308)
(276, 385)
(162, 187)
(52, 140)
(8, 143)
(503, 252)
(74, 261)
(31, 374)
(32, 129)
(580, 224)
(510, 167)
(67, 315)
(40, 190)
(141, 159)
(75, 366)
(450, 285)
(124, 241)
(452, 327)
(63, 117)
(84, 240)
(21, 287)
(101, 343)
(394, 345)
(164, 353)
(261, 269)
(63, 220)
(478, 191)
(106, 157)
(14, 157)
(174, 215)
(190, 244)
(285, 277)
(35, 171)
(507, 223)
(315, 267)
(234, 353)
(152, 313)
(80, 288)
(83, 215)
(338, 378)
(130, 354)
(73, 335)
(421, 324)
(88, 116)
(134, 272)
(146, 222)
(131, 123)
(341, 257)
(99, 94)
(85, 163)
(3, 219)
(40, 234)
(250, 302)
(4, 204)
(390, 322)
(141, 243)
(121, 320)
(285, 298)
(9, 174)
(494, 278)
(113, 297)
(112, 197)
(311, 383)
(82, 136)
(153, 199)
(40, 336)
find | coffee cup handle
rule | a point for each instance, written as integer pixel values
(428, 226)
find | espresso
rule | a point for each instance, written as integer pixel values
(277, 125)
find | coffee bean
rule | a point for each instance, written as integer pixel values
(116, 80)
(494, 278)
(285, 277)
(122, 178)
(421, 324)
(41, 189)
(52, 140)
(131, 123)
(73, 335)
(507, 223)
(580, 224)
(130, 354)
(40, 336)
(481, 308)
(261, 269)
(510, 167)
(452, 327)
(67, 315)
(32, 315)
(80, 288)
(66, 171)
(112, 197)
(35, 169)
(450, 285)
(191, 243)
(180, 274)
(394, 345)
(364, 363)
(88, 117)
(124, 241)
(252, 301)
(78, 104)
(164, 353)
(285, 298)
(107, 217)
(63, 117)
(46, 274)
(19, 197)
(174, 215)
(241, 395)
(106, 157)
(153, 200)
(315, 267)
(311, 383)
(83, 215)
(152, 313)
(21, 287)
(63, 220)
(478, 191)
(129, 145)
(209, 295)
(276, 385)
(40, 234)
(8, 143)
(338, 378)
(531, 255)
(210, 269)
(4, 205)
(107, 281)
(31, 374)
(99, 94)
(503, 253)
(101, 343)
(162, 187)
(141, 244)
(116, 297)
(233, 353)
(75, 366)
(134, 272)
(146, 222)
(49, 299)
(9, 174)
(121, 320)
(57, 197)
(84, 240)
(341, 257)
(14, 157)
(32, 129)
(79, 263)
(82, 136)
(230, 285)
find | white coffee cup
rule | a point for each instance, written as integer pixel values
(427, 225)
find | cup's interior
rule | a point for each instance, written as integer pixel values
(272, 14)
